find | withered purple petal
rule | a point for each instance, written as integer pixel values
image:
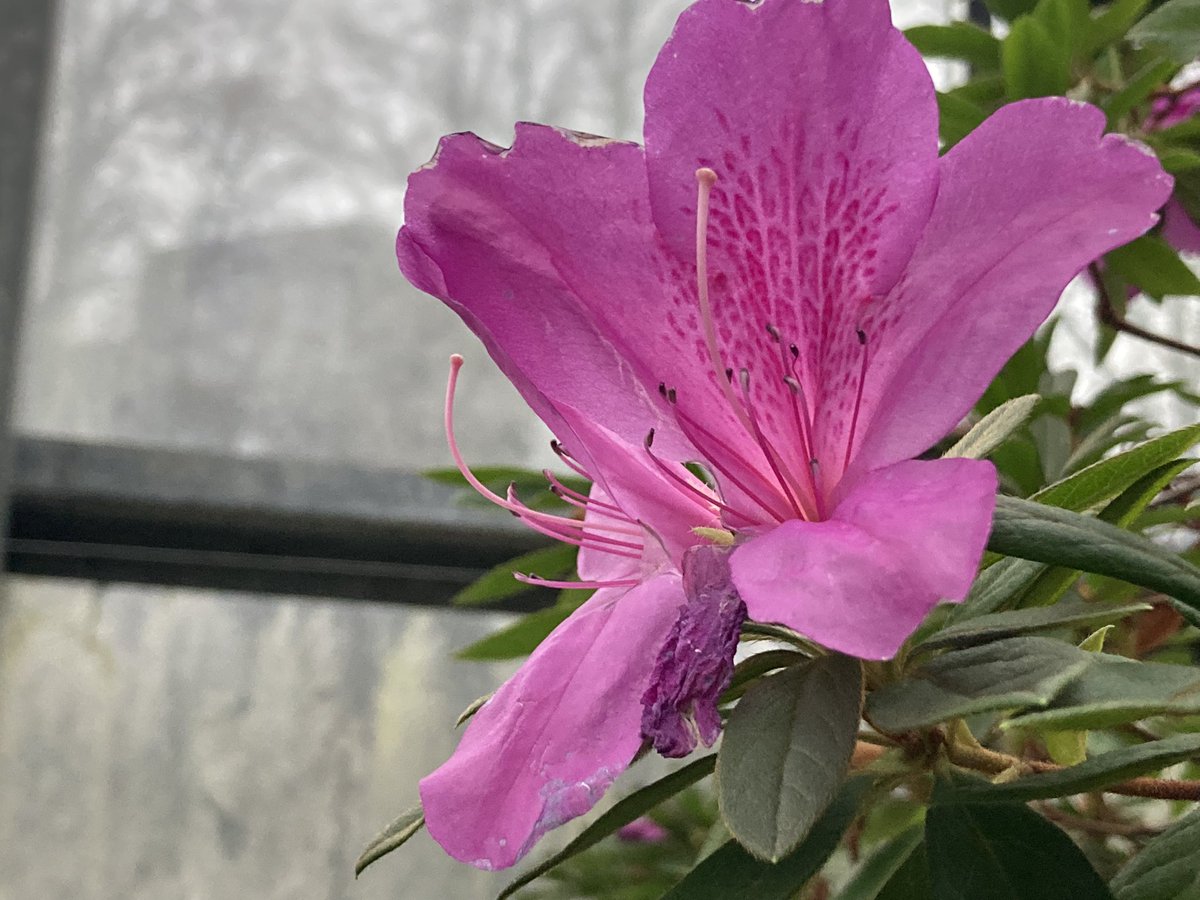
(695, 663)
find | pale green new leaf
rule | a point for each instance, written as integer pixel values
(995, 428)
(409, 823)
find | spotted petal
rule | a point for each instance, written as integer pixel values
(1026, 201)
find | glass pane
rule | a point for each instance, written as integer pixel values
(222, 186)
(158, 743)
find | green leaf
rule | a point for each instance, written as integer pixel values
(1009, 674)
(554, 562)
(1067, 748)
(1114, 690)
(911, 881)
(958, 40)
(1093, 775)
(1067, 22)
(1178, 159)
(754, 667)
(1056, 580)
(1166, 868)
(1010, 9)
(409, 823)
(1034, 64)
(521, 637)
(1174, 27)
(874, 875)
(957, 117)
(1106, 479)
(995, 428)
(733, 874)
(1112, 24)
(785, 752)
(1011, 623)
(1051, 535)
(1154, 266)
(475, 706)
(1003, 852)
(621, 814)
(996, 587)
(1138, 90)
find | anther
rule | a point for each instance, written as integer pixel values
(862, 336)
(794, 350)
(773, 332)
(662, 388)
(649, 441)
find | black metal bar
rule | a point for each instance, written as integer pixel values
(151, 516)
(26, 39)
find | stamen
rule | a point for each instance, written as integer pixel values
(694, 429)
(790, 490)
(564, 492)
(569, 460)
(709, 503)
(862, 378)
(551, 525)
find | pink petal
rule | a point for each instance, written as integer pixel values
(1026, 201)
(547, 252)
(821, 123)
(546, 747)
(1178, 228)
(903, 539)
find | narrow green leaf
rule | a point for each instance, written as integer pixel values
(1056, 580)
(621, 814)
(409, 823)
(1166, 868)
(1010, 10)
(475, 706)
(1011, 623)
(1174, 27)
(1003, 852)
(1106, 479)
(877, 872)
(1009, 674)
(998, 586)
(1092, 775)
(733, 874)
(1178, 159)
(995, 428)
(1138, 90)
(521, 637)
(1067, 22)
(958, 40)
(754, 667)
(1051, 535)
(785, 753)
(554, 562)
(1114, 690)
(1112, 24)
(957, 117)
(911, 881)
(1034, 64)
(1154, 266)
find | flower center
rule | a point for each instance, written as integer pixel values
(785, 480)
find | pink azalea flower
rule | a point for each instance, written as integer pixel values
(787, 286)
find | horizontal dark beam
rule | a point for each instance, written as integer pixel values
(148, 516)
